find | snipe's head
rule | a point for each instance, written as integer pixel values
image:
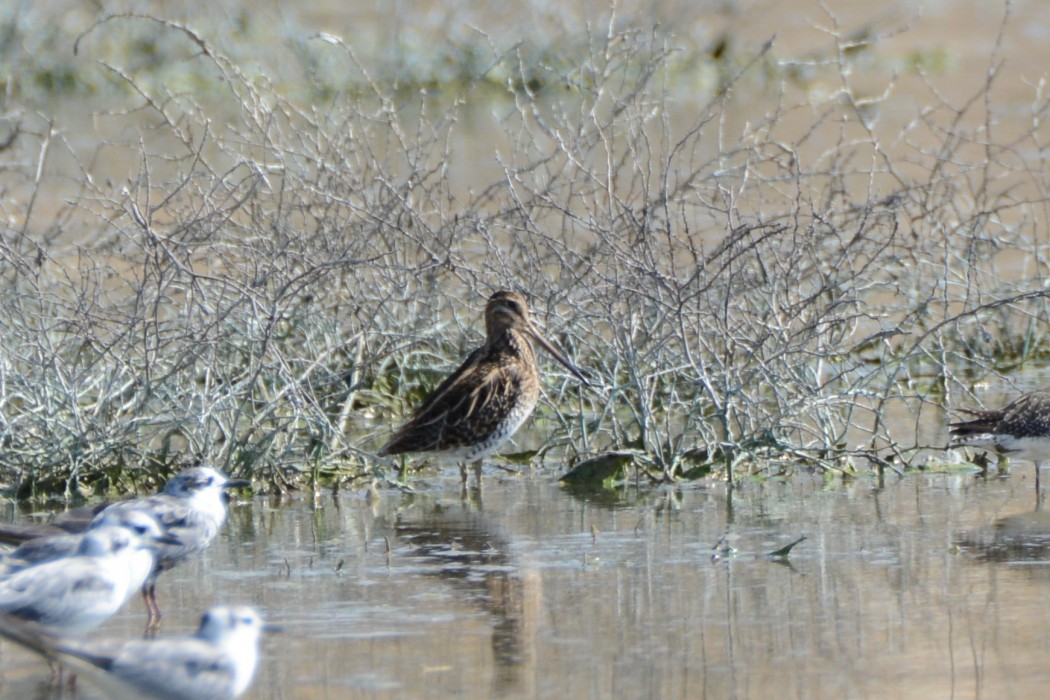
(508, 310)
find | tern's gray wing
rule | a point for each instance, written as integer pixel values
(79, 519)
(17, 533)
(187, 525)
(176, 669)
(44, 549)
(39, 551)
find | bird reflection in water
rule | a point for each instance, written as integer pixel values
(475, 562)
(1019, 537)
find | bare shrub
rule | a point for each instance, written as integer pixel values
(279, 282)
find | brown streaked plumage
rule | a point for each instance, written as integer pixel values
(476, 409)
(1020, 429)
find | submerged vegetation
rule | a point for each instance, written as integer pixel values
(263, 261)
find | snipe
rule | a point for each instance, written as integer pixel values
(476, 409)
(1020, 429)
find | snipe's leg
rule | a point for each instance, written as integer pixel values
(477, 474)
(1039, 495)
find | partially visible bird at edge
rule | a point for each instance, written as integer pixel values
(1021, 429)
(76, 594)
(479, 407)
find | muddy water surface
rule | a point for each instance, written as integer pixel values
(930, 586)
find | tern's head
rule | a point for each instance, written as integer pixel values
(108, 540)
(197, 480)
(227, 622)
(235, 629)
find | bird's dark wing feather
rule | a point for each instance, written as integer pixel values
(466, 406)
(1027, 416)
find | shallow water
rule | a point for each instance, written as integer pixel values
(930, 586)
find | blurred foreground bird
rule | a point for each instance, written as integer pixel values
(477, 409)
(76, 594)
(217, 663)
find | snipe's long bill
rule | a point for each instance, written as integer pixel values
(477, 409)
